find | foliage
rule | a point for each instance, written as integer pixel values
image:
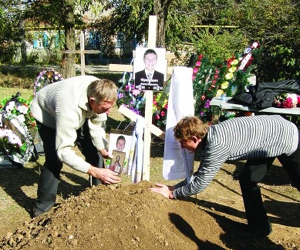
(9, 31)
(276, 25)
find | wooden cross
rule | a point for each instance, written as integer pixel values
(82, 52)
(149, 127)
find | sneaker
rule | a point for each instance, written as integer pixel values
(259, 233)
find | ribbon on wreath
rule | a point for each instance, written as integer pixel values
(248, 55)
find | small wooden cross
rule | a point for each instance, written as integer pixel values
(82, 52)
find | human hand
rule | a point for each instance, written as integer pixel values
(105, 154)
(164, 190)
(105, 175)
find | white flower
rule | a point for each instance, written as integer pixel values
(11, 105)
(294, 99)
(2, 133)
(23, 109)
(14, 139)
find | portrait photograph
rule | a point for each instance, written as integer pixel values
(120, 141)
(150, 69)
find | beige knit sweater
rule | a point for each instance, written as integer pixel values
(64, 106)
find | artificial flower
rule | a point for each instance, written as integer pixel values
(224, 85)
(229, 76)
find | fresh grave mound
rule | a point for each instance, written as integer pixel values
(119, 217)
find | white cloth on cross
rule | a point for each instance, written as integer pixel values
(137, 166)
(178, 163)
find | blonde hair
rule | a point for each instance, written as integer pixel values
(102, 90)
(188, 127)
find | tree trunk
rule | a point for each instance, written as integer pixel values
(68, 69)
(23, 44)
(160, 9)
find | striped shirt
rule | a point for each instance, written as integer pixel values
(239, 139)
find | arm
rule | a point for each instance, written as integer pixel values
(208, 168)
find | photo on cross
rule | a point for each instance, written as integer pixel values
(150, 66)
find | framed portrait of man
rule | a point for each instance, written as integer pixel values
(120, 141)
(150, 68)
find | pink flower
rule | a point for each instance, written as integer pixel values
(198, 64)
(162, 113)
(157, 117)
(135, 92)
(195, 70)
(166, 106)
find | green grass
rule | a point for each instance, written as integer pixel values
(8, 92)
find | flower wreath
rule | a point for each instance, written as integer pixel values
(286, 100)
(16, 127)
(226, 78)
(46, 77)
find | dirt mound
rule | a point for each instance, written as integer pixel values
(110, 217)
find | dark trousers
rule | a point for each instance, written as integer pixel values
(253, 172)
(49, 179)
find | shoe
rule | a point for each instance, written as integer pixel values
(36, 212)
(259, 233)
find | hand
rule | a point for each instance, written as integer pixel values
(105, 175)
(105, 154)
(164, 190)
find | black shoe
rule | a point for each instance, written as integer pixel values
(259, 233)
(36, 212)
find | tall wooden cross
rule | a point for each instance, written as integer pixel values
(82, 52)
(149, 127)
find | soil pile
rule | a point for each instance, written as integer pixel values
(130, 216)
(111, 217)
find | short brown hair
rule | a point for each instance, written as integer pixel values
(102, 90)
(188, 127)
